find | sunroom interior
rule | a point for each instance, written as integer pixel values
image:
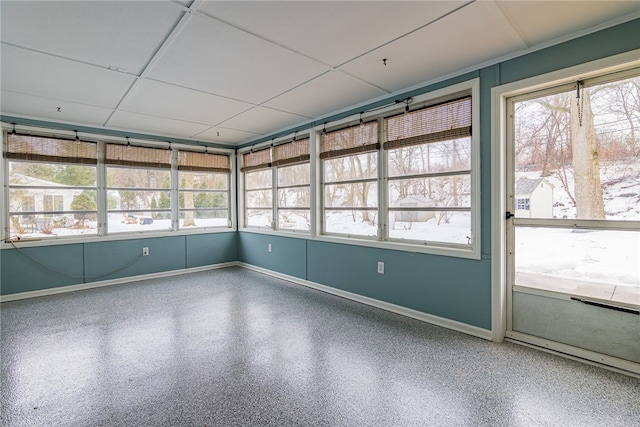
(367, 149)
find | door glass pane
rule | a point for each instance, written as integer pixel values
(600, 264)
(579, 157)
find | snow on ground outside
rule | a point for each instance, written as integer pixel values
(611, 257)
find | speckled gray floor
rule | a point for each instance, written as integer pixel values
(235, 347)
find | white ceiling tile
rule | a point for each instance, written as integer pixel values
(19, 104)
(470, 36)
(218, 59)
(120, 34)
(155, 125)
(327, 93)
(51, 77)
(333, 32)
(539, 22)
(225, 136)
(161, 99)
(263, 120)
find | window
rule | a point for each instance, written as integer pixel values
(138, 188)
(291, 163)
(350, 180)
(429, 173)
(277, 194)
(522, 204)
(204, 195)
(52, 203)
(52, 187)
(258, 188)
(406, 176)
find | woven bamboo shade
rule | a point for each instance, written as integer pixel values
(361, 138)
(291, 152)
(203, 162)
(39, 149)
(255, 160)
(126, 155)
(449, 120)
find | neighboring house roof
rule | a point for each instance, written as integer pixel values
(20, 179)
(526, 186)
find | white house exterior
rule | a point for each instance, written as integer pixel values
(534, 198)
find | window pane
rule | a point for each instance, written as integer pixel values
(259, 198)
(362, 166)
(439, 191)
(257, 179)
(39, 226)
(362, 194)
(204, 218)
(138, 221)
(201, 199)
(259, 217)
(439, 226)
(138, 199)
(51, 175)
(294, 220)
(594, 263)
(204, 181)
(297, 197)
(122, 177)
(437, 157)
(580, 158)
(293, 175)
(351, 222)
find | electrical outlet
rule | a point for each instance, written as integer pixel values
(145, 251)
(380, 267)
(269, 247)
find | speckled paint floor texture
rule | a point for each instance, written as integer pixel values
(233, 347)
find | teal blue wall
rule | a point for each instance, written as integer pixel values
(453, 288)
(21, 269)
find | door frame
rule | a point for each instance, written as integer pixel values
(499, 123)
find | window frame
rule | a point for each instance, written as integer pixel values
(38, 199)
(101, 189)
(274, 188)
(472, 251)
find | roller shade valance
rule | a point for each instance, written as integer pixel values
(291, 152)
(127, 155)
(445, 121)
(255, 160)
(361, 138)
(44, 149)
(192, 161)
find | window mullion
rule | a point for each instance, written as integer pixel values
(383, 198)
(101, 182)
(274, 196)
(175, 185)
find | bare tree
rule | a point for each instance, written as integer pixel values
(586, 164)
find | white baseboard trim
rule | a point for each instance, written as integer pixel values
(398, 309)
(119, 281)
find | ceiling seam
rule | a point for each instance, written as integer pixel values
(274, 43)
(155, 57)
(515, 28)
(408, 33)
(65, 58)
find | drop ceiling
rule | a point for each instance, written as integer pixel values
(233, 72)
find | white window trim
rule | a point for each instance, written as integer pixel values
(100, 236)
(435, 248)
(274, 230)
